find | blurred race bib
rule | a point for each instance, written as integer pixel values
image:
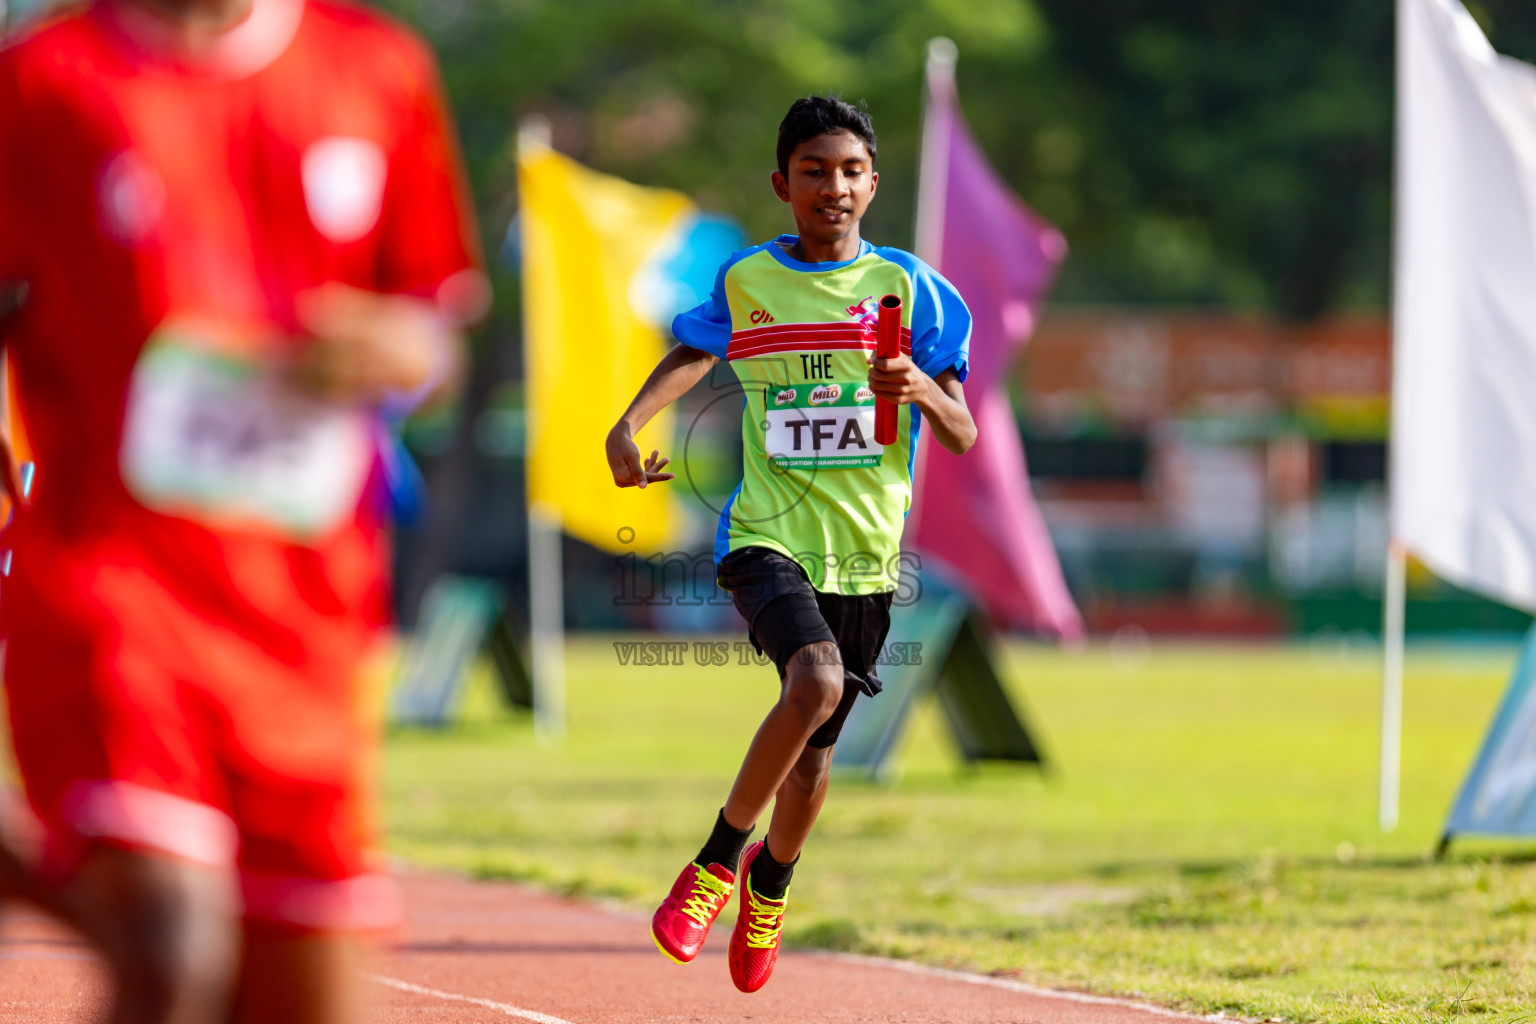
(222, 439)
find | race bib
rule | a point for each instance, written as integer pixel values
(228, 442)
(828, 426)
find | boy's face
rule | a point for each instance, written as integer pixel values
(830, 183)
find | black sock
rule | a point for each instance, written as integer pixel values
(769, 878)
(724, 845)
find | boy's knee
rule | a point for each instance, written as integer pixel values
(813, 683)
(169, 932)
(185, 962)
(161, 980)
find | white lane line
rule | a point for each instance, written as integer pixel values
(1016, 986)
(454, 997)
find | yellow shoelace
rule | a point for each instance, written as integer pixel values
(765, 920)
(700, 903)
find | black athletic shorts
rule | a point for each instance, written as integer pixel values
(785, 613)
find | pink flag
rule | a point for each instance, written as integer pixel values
(975, 512)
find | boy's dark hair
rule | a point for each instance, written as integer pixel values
(822, 115)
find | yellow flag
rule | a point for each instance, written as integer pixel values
(586, 238)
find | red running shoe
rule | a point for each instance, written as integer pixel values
(684, 917)
(759, 929)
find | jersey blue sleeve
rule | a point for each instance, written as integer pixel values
(940, 321)
(707, 326)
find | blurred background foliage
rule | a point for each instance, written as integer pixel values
(1222, 170)
(1223, 154)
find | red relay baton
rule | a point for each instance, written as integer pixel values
(887, 346)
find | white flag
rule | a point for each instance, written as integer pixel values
(1464, 318)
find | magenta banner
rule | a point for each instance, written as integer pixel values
(975, 512)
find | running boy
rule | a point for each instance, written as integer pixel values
(808, 544)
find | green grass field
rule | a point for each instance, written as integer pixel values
(1205, 839)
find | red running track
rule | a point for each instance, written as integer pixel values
(482, 952)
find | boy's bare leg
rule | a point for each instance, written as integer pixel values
(813, 685)
(15, 880)
(19, 882)
(798, 803)
(20, 844)
(169, 931)
(298, 979)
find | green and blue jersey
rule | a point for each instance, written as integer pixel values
(816, 486)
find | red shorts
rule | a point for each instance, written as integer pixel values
(141, 719)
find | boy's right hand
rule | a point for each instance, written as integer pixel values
(624, 461)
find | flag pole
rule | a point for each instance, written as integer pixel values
(546, 620)
(546, 570)
(1394, 595)
(1394, 599)
(933, 160)
(932, 184)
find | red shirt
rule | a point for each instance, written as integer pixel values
(139, 188)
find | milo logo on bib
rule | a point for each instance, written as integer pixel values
(827, 394)
(826, 426)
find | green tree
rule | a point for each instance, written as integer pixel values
(1216, 152)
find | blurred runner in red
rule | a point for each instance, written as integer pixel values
(241, 232)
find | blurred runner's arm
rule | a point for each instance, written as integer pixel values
(401, 342)
(10, 466)
(13, 284)
(679, 370)
(372, 347)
